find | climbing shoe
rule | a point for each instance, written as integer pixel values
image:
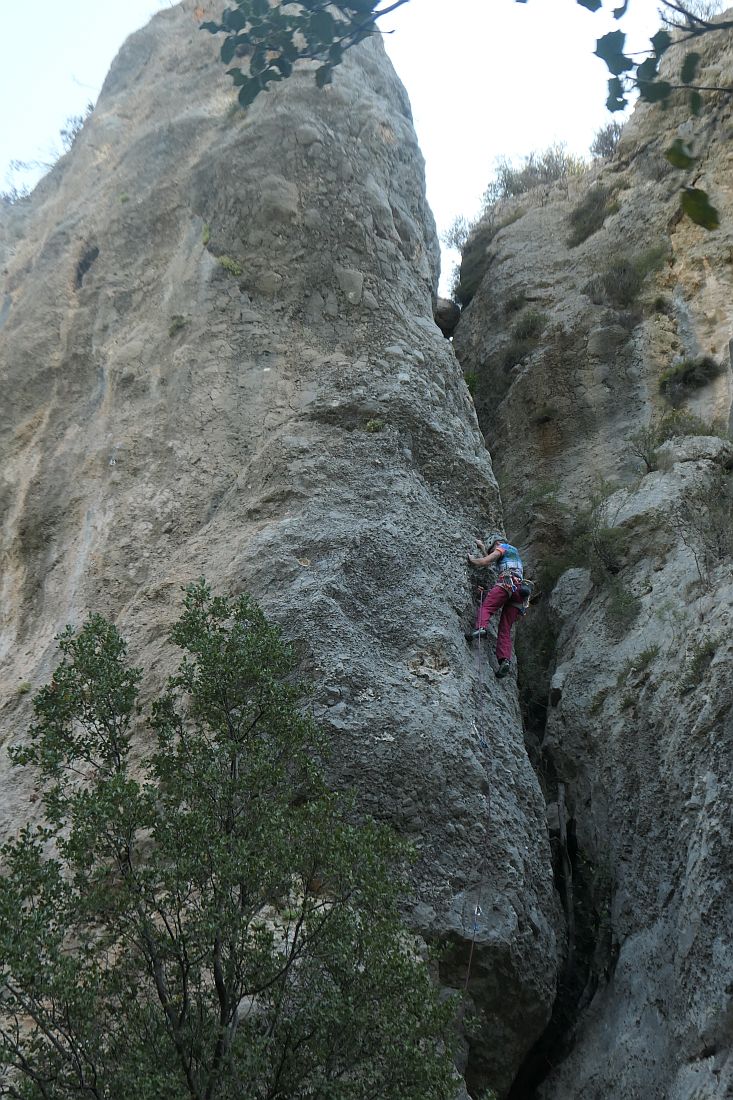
(503, 669)
(480, 633)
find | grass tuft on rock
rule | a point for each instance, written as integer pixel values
(689, 374)
(589, 215)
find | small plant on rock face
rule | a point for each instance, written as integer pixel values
(539, 169)
(178, 322)
(526, 332)
(515, 302)
(589, 215)
(516, 353)
(529, 325)
(622, 608)
(205, 234)
(621, 282)
(374, 425)
(689, 374)
(606, 141)
(637, 665)
(699, 660)
(675, 424)
(232, 266)
(475, 259)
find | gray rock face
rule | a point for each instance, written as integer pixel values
(220, 356)
(639, 730)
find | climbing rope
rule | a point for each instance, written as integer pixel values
(483, 743)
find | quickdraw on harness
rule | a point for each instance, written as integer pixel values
(519, 589)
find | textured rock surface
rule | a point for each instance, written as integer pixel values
(218, 346)
(640, 721)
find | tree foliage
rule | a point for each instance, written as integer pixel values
(605, 141)
(203, 922)
(273, 37)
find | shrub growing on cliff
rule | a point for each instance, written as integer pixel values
(203, 922)
(605, 141)
(689, 374)
(536, 170)
(675, 424)
(589, 215)
(621, 282)
(475, 259)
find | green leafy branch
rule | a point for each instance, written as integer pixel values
(275, 38)
(629, 76)
(207, 920)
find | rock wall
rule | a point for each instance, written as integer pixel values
(565, 346)
(217, 343)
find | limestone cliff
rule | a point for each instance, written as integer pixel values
(568, 345)
(218, 357)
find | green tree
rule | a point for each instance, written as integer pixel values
(203, 921)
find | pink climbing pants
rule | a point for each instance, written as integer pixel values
(499, 597)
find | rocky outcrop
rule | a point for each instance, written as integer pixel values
(567, 342)
(218, 345)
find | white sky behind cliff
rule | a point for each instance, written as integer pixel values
(486, 78)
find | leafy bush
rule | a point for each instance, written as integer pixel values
(699, 660)
(623, 279)
(638, 664)
(621, 608)
(474, 263)
(704, 523)
(592, 542)
(605, 141)
(204, 921)
(529, 325)
(458, 233)
(515, 302)
(689, 374)
(72, 128)
(525, 336)
(475, 259)
(675, 424)
(230, 265)
(516, 353)
(536, 170)
(589, 215)
(14, 194)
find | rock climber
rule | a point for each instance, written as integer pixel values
(510, 593)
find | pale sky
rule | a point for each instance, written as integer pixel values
(492, 78)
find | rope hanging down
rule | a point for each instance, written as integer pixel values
(484, 745)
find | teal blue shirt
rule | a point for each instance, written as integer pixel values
(510, 561)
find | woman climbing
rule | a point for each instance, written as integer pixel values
(509, 593)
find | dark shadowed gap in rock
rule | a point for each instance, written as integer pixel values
(87, 259)
(576, 882)
(588, 957)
